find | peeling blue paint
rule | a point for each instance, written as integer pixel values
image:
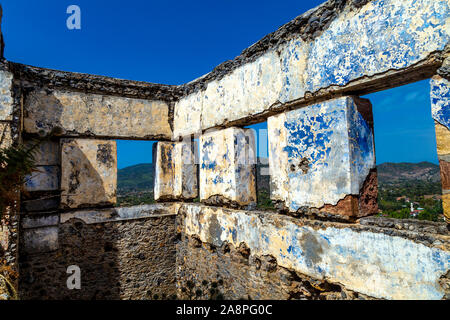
(338, 146)
(440, 100)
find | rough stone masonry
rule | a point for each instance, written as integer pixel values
(305, 79)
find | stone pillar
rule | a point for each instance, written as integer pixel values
(440, 108)
(88, 173)
(175, 171)
(227, 167)
(322, 159)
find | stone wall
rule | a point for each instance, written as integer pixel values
(128, 253)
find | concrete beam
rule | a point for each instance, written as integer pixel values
(322, 159)
(80, 114)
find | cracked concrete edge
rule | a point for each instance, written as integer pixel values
(95, 216)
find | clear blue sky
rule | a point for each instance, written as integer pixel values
(174, 42)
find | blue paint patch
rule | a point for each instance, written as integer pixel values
(217, 179)
(309, 133)
(265, 238)
(339, 55)
(233, 234)
(440, 101)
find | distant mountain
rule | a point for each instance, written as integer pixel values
(398, 173)
(141, 177)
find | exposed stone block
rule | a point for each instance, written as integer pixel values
(175, 171)
(227, 167)
(440, 110)
(45, 178)
(89, 172)
(322, 159)
(80, 114)
(442, 139)
(6, 100)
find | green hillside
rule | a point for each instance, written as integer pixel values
(139, 177)
(417, 182)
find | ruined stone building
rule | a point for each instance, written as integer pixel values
(305, 80)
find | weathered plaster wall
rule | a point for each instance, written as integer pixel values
(80, 114)
(381, 263)
(320, 155)
(380, 36)
(126, 253)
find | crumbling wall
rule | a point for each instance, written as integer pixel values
(321, 158)
(338, 48)
(126, 253)
(305, 79)
(9, 224)
(379, 262)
